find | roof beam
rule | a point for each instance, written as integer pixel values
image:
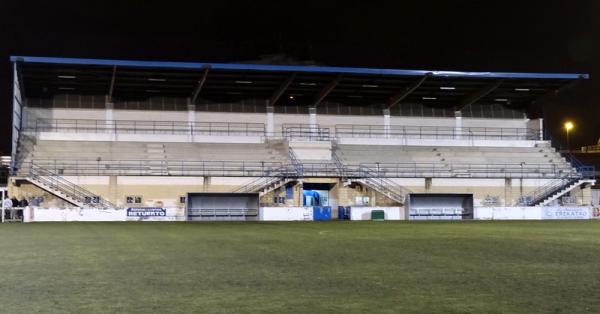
(326, 90)
(395, 99)
(473, 98)
(282, 88)
(200, 84)
(111, 89)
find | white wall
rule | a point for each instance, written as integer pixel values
(286, 213)
(532, 213)
(94, 214)
(364, 213)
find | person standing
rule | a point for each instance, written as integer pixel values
(7, 203)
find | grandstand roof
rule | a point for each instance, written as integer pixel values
(310, 85)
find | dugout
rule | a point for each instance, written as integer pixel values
(439, 206)
(222, 206)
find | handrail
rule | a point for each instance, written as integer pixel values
(435, 132)
(290, 130)
(55, 181)
(339, 164)
(152, 127)
(77, 167)
(297, 164)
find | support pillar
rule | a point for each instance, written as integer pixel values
(270, 123)
(113, 190)
(109, 118)
(386, 123)
(508, 200)
(312, 121)
(458, 125)
(205, 184)
(428, 184)
(191, 119)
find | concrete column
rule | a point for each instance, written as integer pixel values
(586, 195)
(113, 190)
(109, 117)
(312, 120)
(270, 123)
(428, 184)
(205, 184)
(386, 123)
(508, 201)
(191, 119)
(458, 125)
(298, 194)
(520, 187)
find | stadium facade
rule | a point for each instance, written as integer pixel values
(227, 141)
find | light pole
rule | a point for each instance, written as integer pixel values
(568, 126)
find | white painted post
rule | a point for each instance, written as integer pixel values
(270, 125)
(312, 121)
(386, 123)
(109, 118)
(457, 125)
(191, 119)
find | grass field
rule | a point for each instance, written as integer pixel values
(477, 267)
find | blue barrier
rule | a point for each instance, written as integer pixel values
(321, 213)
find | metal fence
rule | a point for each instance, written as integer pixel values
(309, 169)
(435, 132)
(148, 127)
(291, 131)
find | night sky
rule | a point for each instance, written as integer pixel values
(533, 36)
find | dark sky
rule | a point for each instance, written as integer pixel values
(546, 36)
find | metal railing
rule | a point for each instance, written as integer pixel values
(297, 164)
(148, 127)
(305, 132)
(580, 172)
(469, 170)
(291, 131)
(435, 132)
(385, 186)
(73, 191)
(147, 167)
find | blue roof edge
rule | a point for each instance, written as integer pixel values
(294, 68)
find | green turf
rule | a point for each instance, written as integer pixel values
(369, 267)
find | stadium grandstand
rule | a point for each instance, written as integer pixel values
(223, 140)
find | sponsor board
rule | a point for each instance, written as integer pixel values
(146, 212)
(566, 213)
(596, 213)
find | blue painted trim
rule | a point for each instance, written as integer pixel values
(294, 68)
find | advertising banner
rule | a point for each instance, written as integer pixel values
(566, 213)
(146, 212)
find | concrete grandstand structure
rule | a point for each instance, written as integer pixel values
(114, 133)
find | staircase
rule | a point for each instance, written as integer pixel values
(547, 193)
(371, 178)
(263, 185)
(582, 175)
(66, 190)
(157, 156)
